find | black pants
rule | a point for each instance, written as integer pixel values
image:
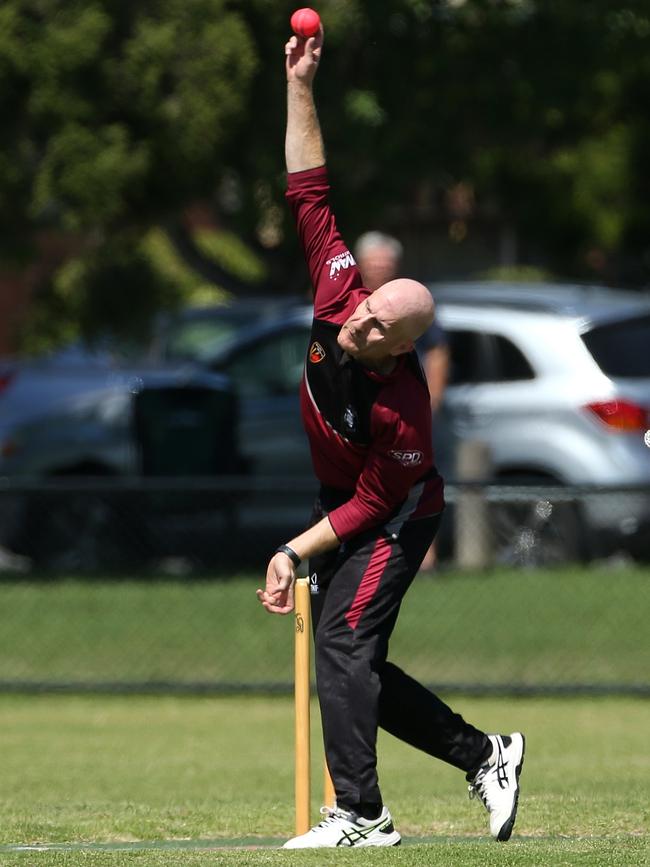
(356, 595)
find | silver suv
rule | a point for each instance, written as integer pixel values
(556, 381)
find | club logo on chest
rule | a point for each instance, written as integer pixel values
(316, 353)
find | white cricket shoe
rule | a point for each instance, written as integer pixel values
(496, 782)
(341, 828)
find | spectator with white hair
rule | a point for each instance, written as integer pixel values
(379, 257)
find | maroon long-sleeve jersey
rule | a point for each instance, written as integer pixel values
(369, 435)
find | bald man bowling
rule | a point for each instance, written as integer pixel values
(366, 411)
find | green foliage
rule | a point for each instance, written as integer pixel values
(528, 103)
(515, 274)
(125, 100)
(86, 175)
(118, 115)
(111, 290)
(227, 249)
(362, 107)
(598, 184)
(168, 262)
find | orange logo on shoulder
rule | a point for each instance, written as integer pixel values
(316, 353)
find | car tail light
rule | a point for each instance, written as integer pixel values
(621, 415)
(8, 448)
(5, 378)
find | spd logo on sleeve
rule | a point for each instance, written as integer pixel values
(411, 458)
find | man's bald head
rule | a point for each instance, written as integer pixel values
(412, 303)
(387, 323)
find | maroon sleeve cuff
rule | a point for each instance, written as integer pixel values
(337, 519)
(349, 520)
(306, 177)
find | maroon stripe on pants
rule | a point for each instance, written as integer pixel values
(369, 582)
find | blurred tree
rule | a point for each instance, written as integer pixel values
(115, 116)
(519, 103)
(525, 103)
(118, 116)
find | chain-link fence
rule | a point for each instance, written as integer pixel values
(150, 584)
(140, 525)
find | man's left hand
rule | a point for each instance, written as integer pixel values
(277, 597)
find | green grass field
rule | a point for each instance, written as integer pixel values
(173, 772)
(570, 626)
(160, 780)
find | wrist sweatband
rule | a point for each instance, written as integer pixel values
(291, 554)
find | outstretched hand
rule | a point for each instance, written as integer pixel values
(277, 597)
(303, 56)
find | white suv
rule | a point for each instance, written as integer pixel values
(556, 381)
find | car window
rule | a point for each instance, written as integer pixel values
(478, 357)
(198, 340)
(469, 358)
(271, 366)
(510, 363)
(621, 348)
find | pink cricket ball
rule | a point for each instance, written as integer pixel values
(305, 22)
